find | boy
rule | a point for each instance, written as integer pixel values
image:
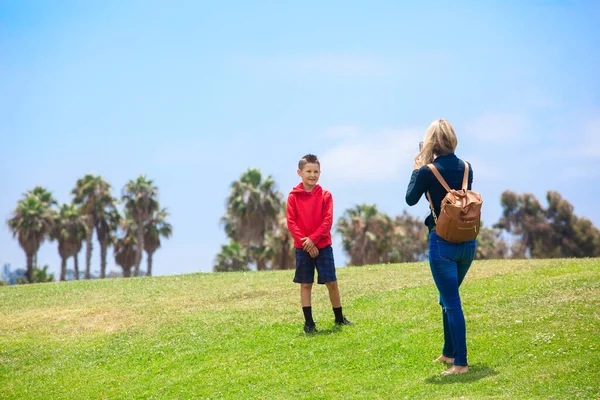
(309, 219)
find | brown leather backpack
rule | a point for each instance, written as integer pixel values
(460, 212)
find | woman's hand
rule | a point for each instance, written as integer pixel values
(418, 163)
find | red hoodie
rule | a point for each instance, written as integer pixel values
(310, 214)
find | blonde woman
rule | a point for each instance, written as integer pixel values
(449, 262)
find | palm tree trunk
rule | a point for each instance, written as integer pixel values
(103, 247)
(284, 253)
(88, 253)
(248, 259)
(261, 264)
(29, 274)
(63, 269)
(126, 272)
(150, 256)
(284, 258)
(76, 267)
(139, 247)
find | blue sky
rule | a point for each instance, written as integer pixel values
(193, 93)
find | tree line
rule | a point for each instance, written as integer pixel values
(137, 227)
(255, 223)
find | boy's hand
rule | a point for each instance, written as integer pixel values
(307, 244)
(309, 247)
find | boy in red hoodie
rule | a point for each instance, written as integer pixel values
(309, 219)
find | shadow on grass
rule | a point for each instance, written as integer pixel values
(320, 332)
(476, 372)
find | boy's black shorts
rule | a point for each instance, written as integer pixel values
(324, 263)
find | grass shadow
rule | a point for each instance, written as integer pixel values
(333, 330)
(476, 372)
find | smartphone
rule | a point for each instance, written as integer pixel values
(420, 146)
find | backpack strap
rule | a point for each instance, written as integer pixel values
(439, 177)
(437, 174)
(431, 208)
(466, 176)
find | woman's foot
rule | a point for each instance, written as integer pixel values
(444, 359)
(456, 370)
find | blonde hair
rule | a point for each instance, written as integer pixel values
(439, 140)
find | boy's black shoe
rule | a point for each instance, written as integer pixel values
(310, 328)
(344, 321)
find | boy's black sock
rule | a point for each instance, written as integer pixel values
(339, 317)
(308, 315)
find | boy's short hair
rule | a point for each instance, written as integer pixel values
(308, 159)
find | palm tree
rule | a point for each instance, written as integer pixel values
(156, 227)
(140, 198)
(231, 258)
(366, 234)
(409, 239)
(252, 208)
(125, 248)
(69, 230)
(43, 194)
(31, 222)
(280, 244)
(45, 197)
(93, 194)
(106, 226)
(76, 258)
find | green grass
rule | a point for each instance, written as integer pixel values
(533, 331)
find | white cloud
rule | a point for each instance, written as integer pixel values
(498, 128)
(367, 157)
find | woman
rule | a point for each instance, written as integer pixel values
(449, 262)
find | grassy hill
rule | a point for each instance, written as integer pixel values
(533, 331)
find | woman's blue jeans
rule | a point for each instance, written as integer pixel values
(449, 264)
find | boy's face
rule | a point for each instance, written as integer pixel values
(310, 175)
